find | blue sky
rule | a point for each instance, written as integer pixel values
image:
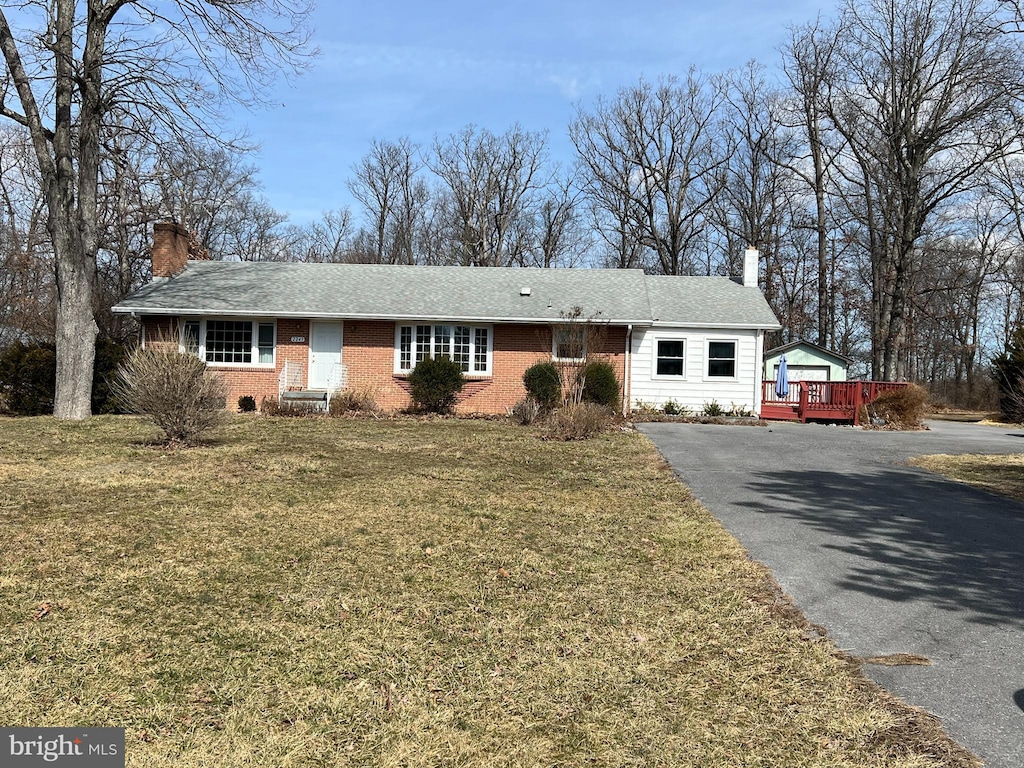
(421, 69)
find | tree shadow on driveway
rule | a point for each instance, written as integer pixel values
(909, 536)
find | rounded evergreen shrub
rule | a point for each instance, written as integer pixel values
(600, 385)
(436, 383)
(543, 384)
(247, 404)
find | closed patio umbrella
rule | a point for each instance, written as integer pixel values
(782, 380)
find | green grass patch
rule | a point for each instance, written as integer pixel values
(1000, 474)
(323, 592)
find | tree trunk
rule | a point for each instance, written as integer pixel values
(76, 334)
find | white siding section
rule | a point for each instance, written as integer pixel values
(696, 388)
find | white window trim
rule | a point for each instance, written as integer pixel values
(654, 356)
(470, 374)
(707, 359)
(554, 346)
(255, 321)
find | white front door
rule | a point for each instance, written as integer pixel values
(324, 354)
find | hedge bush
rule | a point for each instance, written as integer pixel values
(543, 384)
(600, 385)
(1008, 372)
(28, 374)
(436, 383)
(28, 377)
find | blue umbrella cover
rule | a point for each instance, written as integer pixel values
(782, 380)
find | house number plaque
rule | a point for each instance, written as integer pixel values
(298, 339)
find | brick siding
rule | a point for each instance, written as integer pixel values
(368, 351)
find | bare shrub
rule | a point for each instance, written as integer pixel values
(526, 411)
(271, 406)
(579, 421)
(352, 401)
(172, 389)
(902, 408)
(578, 339)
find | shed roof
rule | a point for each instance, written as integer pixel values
(817, 348)
(482, 294)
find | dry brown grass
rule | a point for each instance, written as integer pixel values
(1001, 474)
(402, 593)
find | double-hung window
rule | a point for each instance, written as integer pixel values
(230, 342)
(569, 344)
(721, 359)
(669, 358)
(468, 345)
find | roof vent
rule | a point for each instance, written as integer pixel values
(525, 291)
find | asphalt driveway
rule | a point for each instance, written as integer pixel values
(891, 559)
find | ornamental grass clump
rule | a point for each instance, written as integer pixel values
(172, 389)
(526, 411)
(580, 421)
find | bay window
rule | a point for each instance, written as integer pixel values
(467, 345)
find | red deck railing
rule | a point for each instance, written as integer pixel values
(825, 400)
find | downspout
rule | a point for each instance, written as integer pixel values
(627, 371)
(760, 373)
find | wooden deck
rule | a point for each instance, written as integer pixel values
(822, 400)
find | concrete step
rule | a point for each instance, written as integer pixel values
(304, 396)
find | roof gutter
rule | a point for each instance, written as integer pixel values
(121, 309)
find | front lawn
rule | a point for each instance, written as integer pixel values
(402, 593)
(1001, 474)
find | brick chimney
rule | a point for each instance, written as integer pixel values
(750, 259)
(170, 249)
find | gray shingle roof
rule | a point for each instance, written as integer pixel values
(491, 294)
(717, 301)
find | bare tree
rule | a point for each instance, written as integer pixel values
(607, 178)
(145, 66)
(327, 239)
(491, 182)
(652, 158)
(926, 95)
(807, 63)
(392, 196)
(27, 292)
(560, 239)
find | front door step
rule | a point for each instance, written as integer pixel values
(305, 395)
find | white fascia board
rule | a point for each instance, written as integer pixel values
(728, 326)
(194, 312)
